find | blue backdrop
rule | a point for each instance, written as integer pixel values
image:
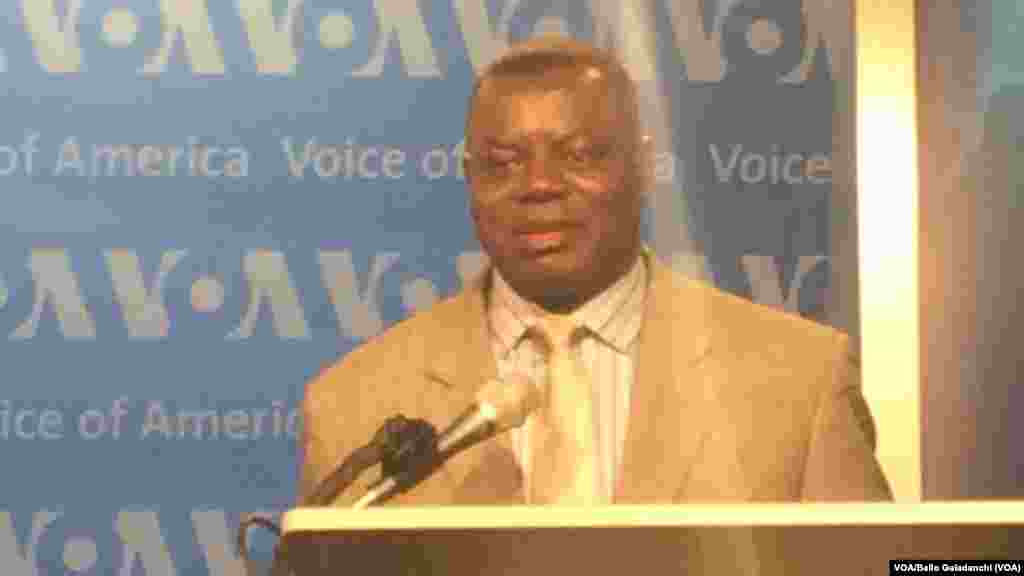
(205, 202)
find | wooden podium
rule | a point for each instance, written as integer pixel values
(754, 539)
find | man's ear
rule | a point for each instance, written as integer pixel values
(644, 163)
(467, 167)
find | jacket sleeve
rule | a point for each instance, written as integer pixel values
(313, 455)
(332, 427)
(841, 463)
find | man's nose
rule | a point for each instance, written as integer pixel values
(544, 178)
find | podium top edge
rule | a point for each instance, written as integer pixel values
(1001, 513)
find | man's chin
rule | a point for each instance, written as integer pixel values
(553, 265)
(550, 276)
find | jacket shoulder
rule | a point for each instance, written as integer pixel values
(765, 324)
(396, 350)
(762, 340)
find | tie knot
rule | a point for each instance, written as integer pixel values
(556, 331)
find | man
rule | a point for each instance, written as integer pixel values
(660, 389)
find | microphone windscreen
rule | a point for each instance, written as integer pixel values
(509, 400)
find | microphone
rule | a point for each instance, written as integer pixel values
(500, 405)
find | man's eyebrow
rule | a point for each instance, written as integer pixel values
(576, 133)
(494, 142)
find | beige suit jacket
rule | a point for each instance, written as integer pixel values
(732, 401)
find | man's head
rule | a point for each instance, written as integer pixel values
(557, 167)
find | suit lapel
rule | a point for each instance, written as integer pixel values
(667, 422)
(463, 362)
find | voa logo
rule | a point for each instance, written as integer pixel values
(274, 37)
(193, 294)
(182, 294)
(125, 543)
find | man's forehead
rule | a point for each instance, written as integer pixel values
(580, 72)
(585, 82)
(576, 89)
(552, 111)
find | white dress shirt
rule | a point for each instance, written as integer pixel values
(608, 349)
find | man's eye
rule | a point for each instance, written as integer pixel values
(588, 154)
(504, 159)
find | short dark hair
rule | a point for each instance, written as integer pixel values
(536, 56)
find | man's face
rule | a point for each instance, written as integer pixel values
(555, 183)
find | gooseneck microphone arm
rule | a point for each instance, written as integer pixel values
(412, 450)
(343, 476)
(427, 453)
(398, 445)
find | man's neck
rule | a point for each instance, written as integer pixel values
(567, 304)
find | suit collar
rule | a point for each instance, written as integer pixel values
(470, 362)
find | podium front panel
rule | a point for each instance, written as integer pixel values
(648, 544)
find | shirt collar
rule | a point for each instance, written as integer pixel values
(614, 315)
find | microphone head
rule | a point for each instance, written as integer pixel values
(509, 401)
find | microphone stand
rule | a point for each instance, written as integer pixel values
(400, 445)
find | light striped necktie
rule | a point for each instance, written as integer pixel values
(564, 463)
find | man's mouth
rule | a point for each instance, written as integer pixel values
(548, 237)
(539, 241)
